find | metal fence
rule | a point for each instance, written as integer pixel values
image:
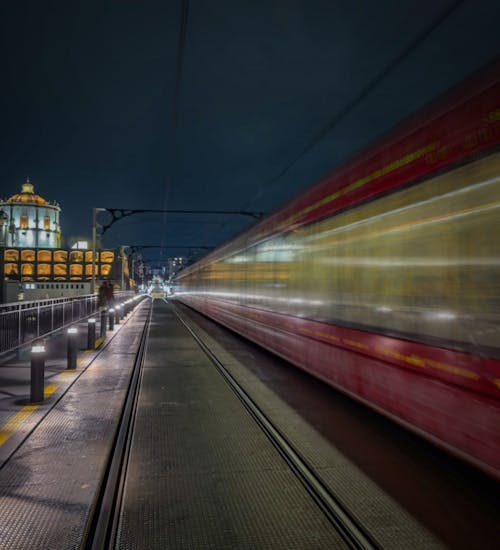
(23, 322)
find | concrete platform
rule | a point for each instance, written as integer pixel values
(201, 473)
(49, 484)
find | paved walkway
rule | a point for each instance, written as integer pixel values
(18, 416)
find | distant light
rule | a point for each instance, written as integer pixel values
(72, 330)
(384, 309)
(442, 315)
(38, 349)
(81, 245)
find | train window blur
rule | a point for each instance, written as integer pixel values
(421, 262)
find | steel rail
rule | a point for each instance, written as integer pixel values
(349, 529)
(103, 527)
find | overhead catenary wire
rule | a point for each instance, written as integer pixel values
(358, 98)
(174, 122)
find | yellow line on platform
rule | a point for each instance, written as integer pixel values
(66, 372)
(50, 389)
(13, 423)
(98, 342)
(17, 419)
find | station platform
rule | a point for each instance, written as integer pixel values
(192, 480)
(199, 472)
(53, 454)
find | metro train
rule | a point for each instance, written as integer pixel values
(157, 290)
(383, 279)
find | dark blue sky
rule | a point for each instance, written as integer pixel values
(273, 95)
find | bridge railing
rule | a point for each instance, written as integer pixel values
(24, 322)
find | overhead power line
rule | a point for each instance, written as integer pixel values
(357, 99)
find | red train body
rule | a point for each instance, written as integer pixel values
(384, 278)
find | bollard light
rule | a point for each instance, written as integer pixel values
(37, 381)
(71, 347)
(91, 333)
(38, 349)
(118, 313)
(111, 318)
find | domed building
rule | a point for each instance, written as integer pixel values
(33, 265)
(28, 220)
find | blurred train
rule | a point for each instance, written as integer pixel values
(384, 278)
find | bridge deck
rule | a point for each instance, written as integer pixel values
(201, 473)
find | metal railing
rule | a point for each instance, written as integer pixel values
(24, 322)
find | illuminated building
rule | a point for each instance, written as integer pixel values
(33, 264)
(28, 220)
(175, 265)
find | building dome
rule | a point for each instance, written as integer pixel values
(28, 220)
(27, 195)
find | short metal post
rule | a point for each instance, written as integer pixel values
(118, 313)
(111, 319)
(19, 325)
(103, 323)
(37, 373)
(72, 334)
(91, 333)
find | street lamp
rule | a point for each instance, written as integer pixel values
(94, 238)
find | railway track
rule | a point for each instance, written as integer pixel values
(351, 531)
(103, 529)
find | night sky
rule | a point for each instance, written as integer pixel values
(109, 104)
